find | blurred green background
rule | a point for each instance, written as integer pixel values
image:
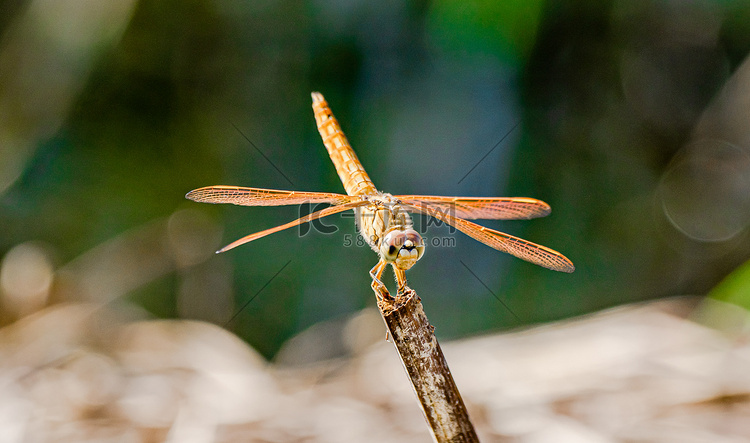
(633, 125)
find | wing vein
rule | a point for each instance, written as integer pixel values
(518, 247)
(242, 196)
(310, 217)
(491, 208)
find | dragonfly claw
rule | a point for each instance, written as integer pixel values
(381, 292)
(378, 286)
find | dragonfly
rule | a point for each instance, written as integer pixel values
(383, 219)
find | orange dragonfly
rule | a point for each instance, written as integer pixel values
(383, 219)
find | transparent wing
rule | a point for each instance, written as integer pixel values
(491, 208)
(525, 250)
(263, 197)
(310, 217)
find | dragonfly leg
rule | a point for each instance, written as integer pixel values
(380, 290)
(401, 280)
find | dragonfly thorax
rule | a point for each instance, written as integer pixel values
(387, 228)
(382, 199)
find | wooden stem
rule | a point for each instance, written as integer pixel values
(428, 371)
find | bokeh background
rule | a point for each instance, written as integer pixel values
(630, 118)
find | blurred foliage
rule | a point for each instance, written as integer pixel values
(607, 93)
(735, 288)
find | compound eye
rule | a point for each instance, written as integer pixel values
(391, 245)
(413, 244)
(413, 239)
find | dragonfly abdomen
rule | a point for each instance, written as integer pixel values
(350, 170)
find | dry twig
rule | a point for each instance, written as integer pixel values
(428, 371)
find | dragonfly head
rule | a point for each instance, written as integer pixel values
(402, 247)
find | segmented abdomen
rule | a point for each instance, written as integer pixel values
(350, 170)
